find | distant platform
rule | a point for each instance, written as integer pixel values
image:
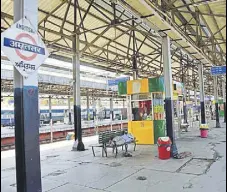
(9, 131)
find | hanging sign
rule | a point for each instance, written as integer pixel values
(218, 70)
(23, 46)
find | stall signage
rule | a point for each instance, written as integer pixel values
(23, 46)
(218, 70)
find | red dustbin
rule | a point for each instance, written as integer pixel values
(164, 147)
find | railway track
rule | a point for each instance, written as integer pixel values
(7, 143)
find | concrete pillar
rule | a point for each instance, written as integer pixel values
(216, 101)
(88, 107)
(185, 105)
(26, 111)
(202, 95)
(94, 107)
(51, 120)
(69, 108)
(168, 93)
(111, 112)
(195, 94)
(78, 144)
(224, 98)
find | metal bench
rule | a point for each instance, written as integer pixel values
(104, 142)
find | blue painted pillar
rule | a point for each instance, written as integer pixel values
(28, 173)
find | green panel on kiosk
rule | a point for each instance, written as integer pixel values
(221, 113)
(159, 129)
(122, 88)
(156, 84)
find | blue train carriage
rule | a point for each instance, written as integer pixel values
(58, 114)
(7, 117)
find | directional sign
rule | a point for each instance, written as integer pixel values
(220, 70)
(23, 46)
(114, 82)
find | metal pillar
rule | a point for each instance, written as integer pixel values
(185, 105)
(69, 108)
(168, 93)
(123, 103)
(51, 120)
(94, 107)
(78, 144)
(216, 102)
(195, 95)
(184, 93)
(26, 102)
(88, 110)
(201, 86)
(111, 113)
(224, 99)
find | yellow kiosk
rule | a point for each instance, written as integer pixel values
(146, 120)
(146, 115)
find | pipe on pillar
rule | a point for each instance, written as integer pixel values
(26, 111)
(216, 101)
(202, 95)
(168, 93)
(224, 99)
(78, 144)
(69, 108)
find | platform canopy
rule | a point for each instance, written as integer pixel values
(112, 33)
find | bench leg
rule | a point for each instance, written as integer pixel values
(106, 151)
(93, 151)
(135, 146)
(116, 152)
(126, 148)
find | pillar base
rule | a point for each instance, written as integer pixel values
(78, 146)
(197, 118)
(174, 151)
(218, 125)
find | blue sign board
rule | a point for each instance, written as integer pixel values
(114, 82)
(219, 70)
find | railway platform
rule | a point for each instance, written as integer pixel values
(66, 170)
